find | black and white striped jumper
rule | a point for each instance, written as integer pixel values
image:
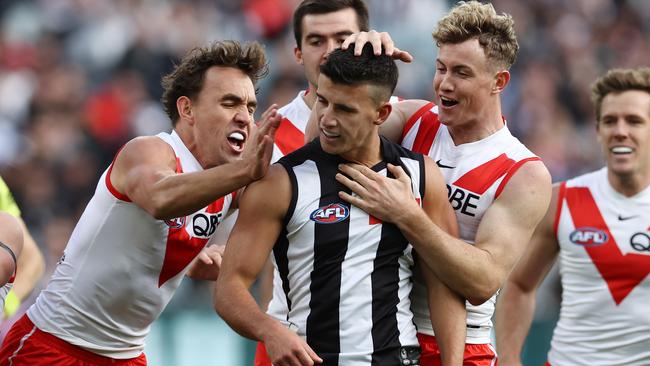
(345, 274)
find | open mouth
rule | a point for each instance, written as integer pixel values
(447, 102)
(621, 150)
(236, 141)
(329, 135)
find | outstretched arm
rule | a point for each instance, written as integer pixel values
(516, 304)
(257, 228)
(474, 271)
(145, 170)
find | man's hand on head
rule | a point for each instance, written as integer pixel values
(377, 39)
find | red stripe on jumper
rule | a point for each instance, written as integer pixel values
(622, 273)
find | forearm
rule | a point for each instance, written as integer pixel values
(177, 195)
(238, 308)
(467, 270)
(514, 315)
(448, 318)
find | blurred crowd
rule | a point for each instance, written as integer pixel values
(78, 78)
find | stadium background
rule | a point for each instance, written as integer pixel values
(78, 78)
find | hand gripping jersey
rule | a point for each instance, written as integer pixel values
(475, 174)
(345, 275)
(121, 267)
(604, 259)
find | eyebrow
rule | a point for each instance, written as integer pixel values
(340, 106)
(456, 67)
(238, 100)
(320, 35)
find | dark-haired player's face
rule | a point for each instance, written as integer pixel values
(222, 116)
(463, 83)
(321, 34)
(624, 132)
(348, 119)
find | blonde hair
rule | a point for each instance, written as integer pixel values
(618, 81)
(495, 33)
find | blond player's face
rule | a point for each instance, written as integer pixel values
(464, 83)
(321, 34)
(222, 116)
(624, 132)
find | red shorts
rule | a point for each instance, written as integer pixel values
(475, 354)
(261, 357)
(26, 345)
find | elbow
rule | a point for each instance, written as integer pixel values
(159, 207)
(480, 294)
(218, 302)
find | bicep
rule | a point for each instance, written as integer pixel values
(260, 221)
(435, 202)
(141, 164)
(508, 224)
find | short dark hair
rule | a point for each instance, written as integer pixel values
(187, 78)
(343, 67)
(307, 7)
(618, 81)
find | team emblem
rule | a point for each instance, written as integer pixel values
(176, 223)
(330, 214)
(588, 237)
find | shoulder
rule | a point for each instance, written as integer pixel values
(270, 195)
(310, 150)
(528, 192)
(410, 107)
(530, 177)
(394, 151)
(403, 112)
(143, 149)
(147, 144)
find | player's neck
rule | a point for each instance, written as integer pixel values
(476, 130)
(628, 184)
(310, 96)
(368, 154)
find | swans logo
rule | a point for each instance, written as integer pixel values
(330, 214)
(176, 223)
(588, 237)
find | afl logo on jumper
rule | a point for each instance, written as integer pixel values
(330, 214)
(176, 223)
(588, 237)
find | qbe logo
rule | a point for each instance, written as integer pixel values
(204, 224)
(588, 237)
(330, 214)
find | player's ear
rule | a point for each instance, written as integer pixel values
(501, 79)
(383, 113)
(184, 107)
(297, 53)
